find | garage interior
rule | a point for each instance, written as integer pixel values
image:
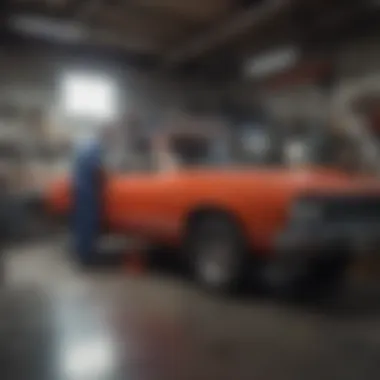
(292, 82)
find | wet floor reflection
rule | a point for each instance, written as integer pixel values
(86, 348)
(69, 325)
(100, 339)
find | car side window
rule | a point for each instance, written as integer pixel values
(122, 160)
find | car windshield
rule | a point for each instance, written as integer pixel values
(199, 151)
(259, 148)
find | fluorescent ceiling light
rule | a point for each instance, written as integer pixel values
(48, 28)
(89, 96)
(273, 62)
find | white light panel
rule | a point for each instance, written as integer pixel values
(87, 96)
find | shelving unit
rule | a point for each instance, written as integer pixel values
(30, 152)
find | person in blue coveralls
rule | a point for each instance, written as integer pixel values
(88, 184)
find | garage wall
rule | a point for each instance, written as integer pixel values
(32, 80)
(353, 61)
(359, 58)
(310, 103)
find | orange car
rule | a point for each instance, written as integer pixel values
(294, 225)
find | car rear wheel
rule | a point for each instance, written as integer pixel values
(216, 250)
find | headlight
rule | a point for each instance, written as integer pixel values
(306, 211)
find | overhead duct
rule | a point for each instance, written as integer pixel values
(355, 125)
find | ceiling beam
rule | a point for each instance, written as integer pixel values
(231, 29)
(67, 31)
(11, 40)
(85, 10)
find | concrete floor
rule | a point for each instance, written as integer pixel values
(58, 323)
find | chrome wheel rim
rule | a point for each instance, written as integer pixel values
(215, 262)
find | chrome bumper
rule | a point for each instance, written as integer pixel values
(353, 239)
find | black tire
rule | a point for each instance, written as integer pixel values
(316, 279)
(326, 277)
(163, 258)
(216, 236)
(82, 263)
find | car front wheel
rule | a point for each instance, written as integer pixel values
(217, 252)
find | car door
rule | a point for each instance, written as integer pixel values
(141, 200)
